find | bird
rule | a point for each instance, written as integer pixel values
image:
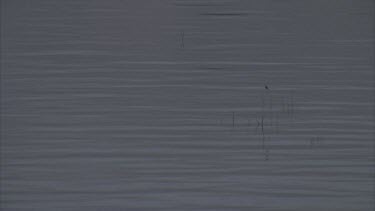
(266, 87)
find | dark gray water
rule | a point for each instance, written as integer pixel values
(161, 105)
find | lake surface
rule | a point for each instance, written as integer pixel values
(161, 105)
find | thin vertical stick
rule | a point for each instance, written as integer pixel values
(263, 104)
(270, 100)
(292, 103)
(183, 39)
(271, 111)
(263, 138)
(258, 124)
(263, 141)
(232, 119)
(277, 123)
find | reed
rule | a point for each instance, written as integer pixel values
(263, 104)
(183, 39)
(263, 137)
(277, 123)
(233, 120)
(292, 103)
(315, 141)
(258, 124)
(266, 154)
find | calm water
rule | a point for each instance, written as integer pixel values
(161, 105)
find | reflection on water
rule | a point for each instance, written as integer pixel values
(187, 105)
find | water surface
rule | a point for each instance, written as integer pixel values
(161, 105)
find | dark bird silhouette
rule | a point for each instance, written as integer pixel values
(266, 87)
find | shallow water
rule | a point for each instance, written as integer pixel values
(158, 105)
